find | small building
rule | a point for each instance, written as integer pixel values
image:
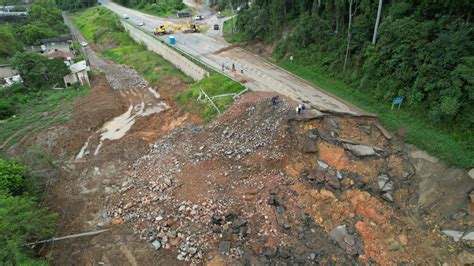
(12, 80)
(7, 71)
(7, 16)
(65, 56)
(78, 74)
(50, 45)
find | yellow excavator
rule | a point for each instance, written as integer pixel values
(189, 28)
(164, 29)
(169, 29)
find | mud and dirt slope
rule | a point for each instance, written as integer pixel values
(261, 185)
(111, 128)
(257, 186)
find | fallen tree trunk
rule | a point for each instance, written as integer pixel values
(52, 239)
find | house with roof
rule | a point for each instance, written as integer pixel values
(65, 56)
(50, 45)
(78, 74)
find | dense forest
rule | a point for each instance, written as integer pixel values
(37, 71)
(75, 4)
(423, 50)
(156, 7)
(44, 21)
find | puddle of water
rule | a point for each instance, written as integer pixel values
(98, 147)
(82, 152)
(120, 125)
(156, 109)
(117, 127)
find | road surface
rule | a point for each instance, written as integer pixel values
(258, 73)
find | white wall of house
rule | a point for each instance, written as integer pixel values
(80, 77)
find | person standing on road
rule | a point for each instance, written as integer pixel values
(223, 67)
(233, 67)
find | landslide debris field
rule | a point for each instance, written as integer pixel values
(261, 185)
(258, 185)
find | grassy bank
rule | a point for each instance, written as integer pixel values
(36, 111)
(456, 148)
(216, 84)
(99, 25)
(229, 35)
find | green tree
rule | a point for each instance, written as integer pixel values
(422, 52)
(20, 221)
(9, 44)
(11, 177)
(44, 20)
(20, 218)
(39, 71)
(33, 33)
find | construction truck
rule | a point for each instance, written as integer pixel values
(169, 29)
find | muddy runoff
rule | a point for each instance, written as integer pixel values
(262, 185)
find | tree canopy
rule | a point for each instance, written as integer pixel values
(9, 43)
(44, 21)
(20, 218)
(161, 7)
(38, 71)
(75, 4)
(424, 49)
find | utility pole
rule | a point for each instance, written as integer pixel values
(377, 21)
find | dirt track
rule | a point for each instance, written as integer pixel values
(81, 191)
(112, 127)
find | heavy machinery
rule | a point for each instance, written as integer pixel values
(189, 28)
(169, 28)
(164, 29)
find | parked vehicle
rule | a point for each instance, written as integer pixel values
(183, 14)
(141, 24)
(199, 17)
(126, 16)
(216, 26)
(83, 44)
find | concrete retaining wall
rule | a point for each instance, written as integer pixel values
(188, 67)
